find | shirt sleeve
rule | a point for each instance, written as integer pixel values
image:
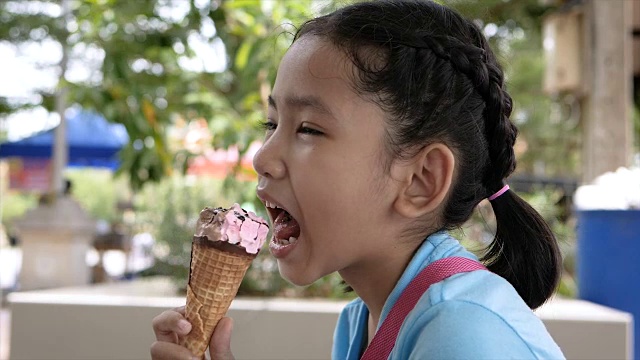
(341, 336)
(462, 330)
(349, 332)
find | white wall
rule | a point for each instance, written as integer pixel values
(114, 322)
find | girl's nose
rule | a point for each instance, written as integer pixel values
(268, 162)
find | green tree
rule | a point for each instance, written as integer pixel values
(149, 70)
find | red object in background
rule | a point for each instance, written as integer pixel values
(30, 174)
(220, 163)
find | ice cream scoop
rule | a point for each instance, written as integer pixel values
(234, 226)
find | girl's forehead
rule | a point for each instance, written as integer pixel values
(315, 75)
(313, 56)
(313, 66)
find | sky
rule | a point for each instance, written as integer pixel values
(33, 66)
(21, 77)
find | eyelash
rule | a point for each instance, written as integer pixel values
(271, 126)
(310, 131)
(268, 125)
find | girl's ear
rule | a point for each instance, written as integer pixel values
(425, 181)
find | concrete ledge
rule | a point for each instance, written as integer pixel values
(585, 330)
(113, 321)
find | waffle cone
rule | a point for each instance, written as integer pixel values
(214, 279)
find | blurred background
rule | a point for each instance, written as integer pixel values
(120, 120)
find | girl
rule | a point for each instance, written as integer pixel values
(388, 123)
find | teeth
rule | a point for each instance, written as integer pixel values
(272, 205)
(290, 241)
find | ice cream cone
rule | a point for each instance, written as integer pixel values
(214, 281)
(223, 247)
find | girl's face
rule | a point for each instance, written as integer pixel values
(322, 161)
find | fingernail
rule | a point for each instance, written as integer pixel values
(184, 325)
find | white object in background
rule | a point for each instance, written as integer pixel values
(10, 263)
(54, 239)
(618, 190)
(141, 255)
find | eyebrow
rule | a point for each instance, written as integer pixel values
(311, 102)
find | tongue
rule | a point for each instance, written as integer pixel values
(285, 226)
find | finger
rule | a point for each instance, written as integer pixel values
(180, 309)
(169, 325)
(220, 345)
(161, 350)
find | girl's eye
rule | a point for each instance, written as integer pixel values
(309, 131)
(268, 125)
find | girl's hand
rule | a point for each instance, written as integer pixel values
(220, 344)
(170, 326)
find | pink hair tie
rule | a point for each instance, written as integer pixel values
(498, 193)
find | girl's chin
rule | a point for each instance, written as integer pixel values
(295, 277)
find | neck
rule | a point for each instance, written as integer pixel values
(374, 280)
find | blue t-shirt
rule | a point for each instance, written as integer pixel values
(475, 315)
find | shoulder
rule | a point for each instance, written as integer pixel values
(475, 315)
(462, 330)
(350, 318)
(353, 307)
(349, 331)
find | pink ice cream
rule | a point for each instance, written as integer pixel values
(235, 226)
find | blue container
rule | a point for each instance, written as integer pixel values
(608, 261)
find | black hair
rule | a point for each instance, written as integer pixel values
(435, 75)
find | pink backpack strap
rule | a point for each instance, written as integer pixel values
(385, 338)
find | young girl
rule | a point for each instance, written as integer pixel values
(388, 123)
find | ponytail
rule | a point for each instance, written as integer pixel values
(524, 250)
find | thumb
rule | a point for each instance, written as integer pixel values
(220, 345)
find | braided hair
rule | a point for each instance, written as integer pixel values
(437, 78)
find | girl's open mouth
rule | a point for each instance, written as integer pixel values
(286, 229)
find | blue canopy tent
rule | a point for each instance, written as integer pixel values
(92, 141)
